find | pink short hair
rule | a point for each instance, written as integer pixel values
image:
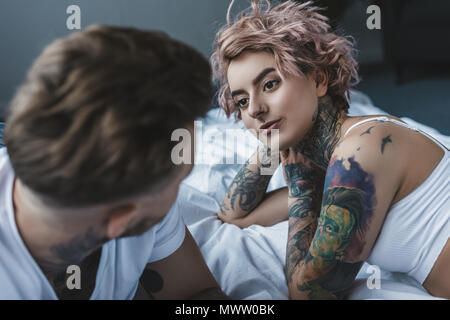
(300, 40)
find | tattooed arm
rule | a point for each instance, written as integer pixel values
(324, 257)
(271, 210)
(248, 187)
(305, 182)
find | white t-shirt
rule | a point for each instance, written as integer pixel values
(122, 260)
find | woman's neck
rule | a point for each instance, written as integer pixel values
(319, 144)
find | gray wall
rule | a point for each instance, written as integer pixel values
(27, 26)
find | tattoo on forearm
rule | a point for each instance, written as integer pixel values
(246, 190)
(298, 246)
(305, 182)
(249, 189)
(304, 205)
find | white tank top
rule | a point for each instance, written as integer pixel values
(417, 227)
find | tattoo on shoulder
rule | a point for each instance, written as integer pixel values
(367, 131)
(385, 141)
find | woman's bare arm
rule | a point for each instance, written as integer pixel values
(248, 187)
(272, 209)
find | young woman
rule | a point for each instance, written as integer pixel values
(358, 188)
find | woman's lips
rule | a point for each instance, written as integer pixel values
(274, 125)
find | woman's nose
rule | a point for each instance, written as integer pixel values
(255, 109)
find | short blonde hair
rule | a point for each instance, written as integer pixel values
(300, 40)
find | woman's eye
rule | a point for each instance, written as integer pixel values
(241, 103)
(270, 84)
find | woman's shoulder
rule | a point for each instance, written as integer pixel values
(379, 133)
(370, 131)
(376, 145)
(363, 125)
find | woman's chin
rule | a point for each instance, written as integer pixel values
(283, 142)
(284, 145)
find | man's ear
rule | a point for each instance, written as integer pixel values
(321, 79)
(118, 218)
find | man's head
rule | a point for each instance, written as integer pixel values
(92, 123)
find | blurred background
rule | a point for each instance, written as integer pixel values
(404, 66)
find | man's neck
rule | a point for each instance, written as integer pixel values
(54, 246)
(320, 142)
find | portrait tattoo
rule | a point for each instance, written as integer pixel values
(347, 208)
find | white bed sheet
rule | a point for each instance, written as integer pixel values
(249, 263)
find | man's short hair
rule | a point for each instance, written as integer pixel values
(93, 120)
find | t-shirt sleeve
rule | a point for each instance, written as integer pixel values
(169, 234)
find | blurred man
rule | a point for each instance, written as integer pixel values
(87, 186)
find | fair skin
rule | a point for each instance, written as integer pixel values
(59, 237)
(338, 189)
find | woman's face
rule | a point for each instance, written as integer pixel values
(268, 101)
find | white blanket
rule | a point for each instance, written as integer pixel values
(249, 263)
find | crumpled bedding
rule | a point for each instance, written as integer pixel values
(249, 263)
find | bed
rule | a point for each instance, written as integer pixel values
(248, 263)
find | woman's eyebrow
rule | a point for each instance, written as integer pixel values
(255, 81)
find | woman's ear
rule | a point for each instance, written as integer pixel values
(118, 218)
(321, 79)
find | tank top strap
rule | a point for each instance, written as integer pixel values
(403, 124)
(364, 121)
